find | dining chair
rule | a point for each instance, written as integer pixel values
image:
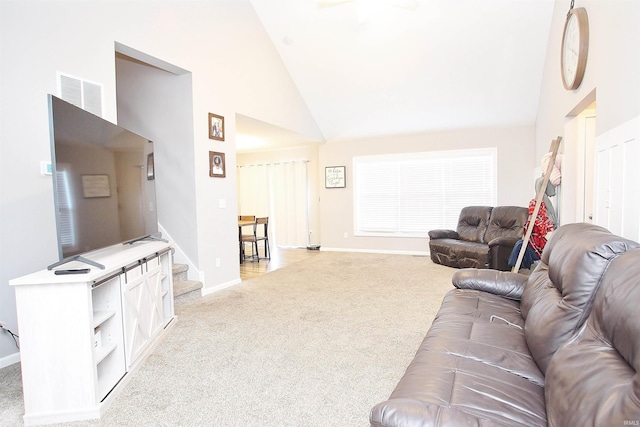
(260, 233)
(244, 218)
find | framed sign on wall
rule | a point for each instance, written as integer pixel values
(96, 186)
(334, 177)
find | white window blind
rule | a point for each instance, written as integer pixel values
(412, 193)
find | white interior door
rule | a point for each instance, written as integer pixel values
(618, 180)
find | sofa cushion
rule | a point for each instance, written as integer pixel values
(559, 295)
(473, 222)
(599, 370)
(506, 221)
(457, 372)
(485, 327)
(481, 306)
(453, 391)
(475, 352)
(506, 227)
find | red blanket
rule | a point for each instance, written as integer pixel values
(541, 227)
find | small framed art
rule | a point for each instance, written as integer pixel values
(217, 167)
(334, 177)
(95, 186)
(216, 127)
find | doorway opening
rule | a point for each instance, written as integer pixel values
(155, 99)
(578, 164)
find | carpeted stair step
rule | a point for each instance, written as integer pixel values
(180, 272)
(184, 289)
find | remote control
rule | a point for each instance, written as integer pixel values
(76, 271)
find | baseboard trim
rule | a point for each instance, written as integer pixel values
(9, 360)
(207, 291)
(375, 251)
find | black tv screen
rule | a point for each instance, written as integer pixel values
(103, 181)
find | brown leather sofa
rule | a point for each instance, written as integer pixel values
(560, 347)
(484, 238)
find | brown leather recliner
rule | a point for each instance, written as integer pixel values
(484, 238)
(560, 347)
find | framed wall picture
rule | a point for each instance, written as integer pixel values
(95, 186)
(216, 127)
(217, 166)
(334, 177)
(151, 173)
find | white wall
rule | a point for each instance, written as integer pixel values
(612, 71)
(515, 178)
(234, 67)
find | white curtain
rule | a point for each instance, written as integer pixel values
(253, 190)
(279, 191)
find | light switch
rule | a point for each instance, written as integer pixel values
(222, 203)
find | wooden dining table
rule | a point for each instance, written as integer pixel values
(242, 223)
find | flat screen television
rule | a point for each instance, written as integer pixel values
(103, 181)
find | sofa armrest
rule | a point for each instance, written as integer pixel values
(503, 283)
(500, 249)
(507, 242)
(443, 234)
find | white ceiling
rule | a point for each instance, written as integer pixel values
(440, 65)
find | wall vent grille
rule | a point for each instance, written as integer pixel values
(81, 93)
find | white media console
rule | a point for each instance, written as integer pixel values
(83, 335)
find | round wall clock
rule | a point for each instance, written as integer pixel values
(575, 47)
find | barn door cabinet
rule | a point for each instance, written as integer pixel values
(82, 336)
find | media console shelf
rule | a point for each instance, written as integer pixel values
(82, 336)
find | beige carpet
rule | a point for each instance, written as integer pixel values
(316, 343)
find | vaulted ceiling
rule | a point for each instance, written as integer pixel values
(384, 67)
